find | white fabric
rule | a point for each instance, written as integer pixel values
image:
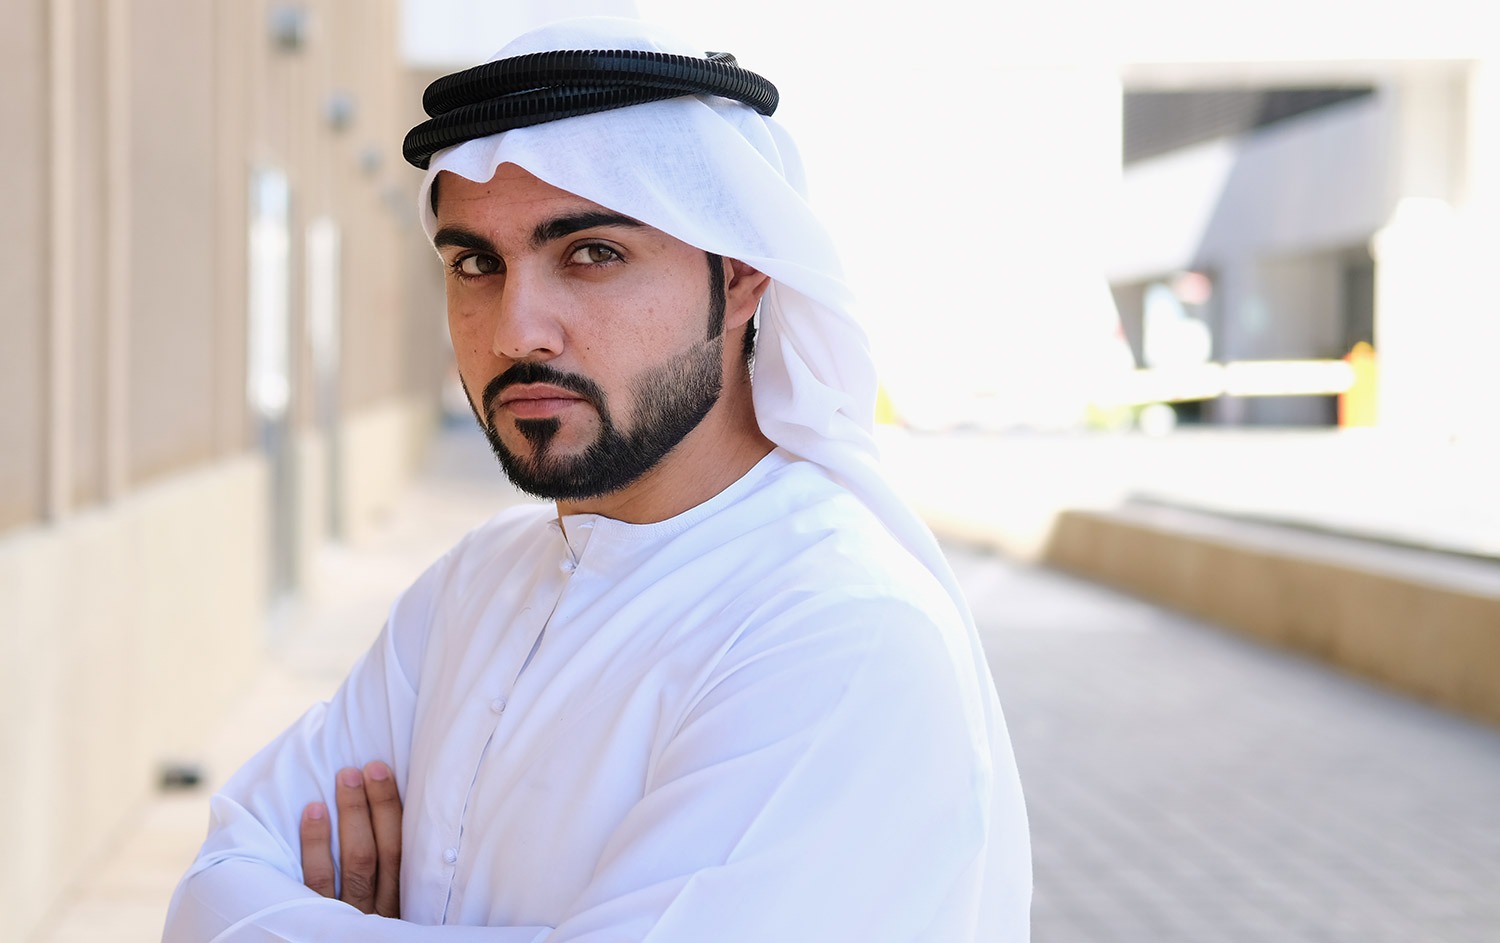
(718, 176)
(795, 750)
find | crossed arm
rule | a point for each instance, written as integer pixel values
(776, 768)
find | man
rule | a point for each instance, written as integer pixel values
(726, 688)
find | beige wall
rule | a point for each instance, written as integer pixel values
(129, 631)
(126, 279)
(88, 279)
(136, 505)
(382, 446)
(423, 276)
(172, 238)
(23, 231)
(1418, 622)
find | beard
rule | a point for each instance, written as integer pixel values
(670, 401)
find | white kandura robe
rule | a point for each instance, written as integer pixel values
(756, 721)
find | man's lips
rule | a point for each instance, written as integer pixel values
(534, 391)
(536, 400)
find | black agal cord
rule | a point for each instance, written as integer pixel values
(546, 86)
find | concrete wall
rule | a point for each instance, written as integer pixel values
(140, 512)
(1271, 216)
(1275, 215)
(382, 446)
(1424, 624)
(127, 632)
(24, 231)
(1278, 535)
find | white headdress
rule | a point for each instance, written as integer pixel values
(718, 176)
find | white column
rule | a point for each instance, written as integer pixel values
(1421, 311)
(1479, 218)
(1424, 299)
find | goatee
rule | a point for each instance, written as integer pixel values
(670, 401)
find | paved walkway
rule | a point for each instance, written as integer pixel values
(1184, 784)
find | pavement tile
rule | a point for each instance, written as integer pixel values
(1261, 797)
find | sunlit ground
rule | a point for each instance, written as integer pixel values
(1420, 491)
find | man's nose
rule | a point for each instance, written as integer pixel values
(527, 327)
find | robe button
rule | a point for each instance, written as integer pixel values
(498, 705)
(568, 565)
(450, 855)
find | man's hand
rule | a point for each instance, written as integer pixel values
(369, 867)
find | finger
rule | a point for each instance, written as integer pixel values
(317, 849)
(356, 842)
(385, 820)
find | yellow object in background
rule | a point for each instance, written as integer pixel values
(1357, 405)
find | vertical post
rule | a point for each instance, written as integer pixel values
(238, 78)
(62, 182)
(117, 189)
(270, 377)
(323, 306)
(1480, 214)
(1420, 304)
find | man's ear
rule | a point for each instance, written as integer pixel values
(742, 292)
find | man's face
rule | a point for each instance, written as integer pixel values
(589, 344)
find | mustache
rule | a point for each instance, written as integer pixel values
(528, 372)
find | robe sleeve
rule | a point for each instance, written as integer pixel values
(246, 884)
(832, 782)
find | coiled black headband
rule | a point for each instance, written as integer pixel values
(546, 86)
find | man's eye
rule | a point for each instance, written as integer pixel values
(473, 266)
(593, 255)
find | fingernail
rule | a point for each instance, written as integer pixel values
(378, 772)
(351, 778)
(317, 811)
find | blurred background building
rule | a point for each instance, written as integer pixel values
(1312, 211)
(224, 342)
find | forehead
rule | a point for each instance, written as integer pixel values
(512, 193)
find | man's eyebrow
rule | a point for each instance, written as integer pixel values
(462, 239)
(561, 226)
